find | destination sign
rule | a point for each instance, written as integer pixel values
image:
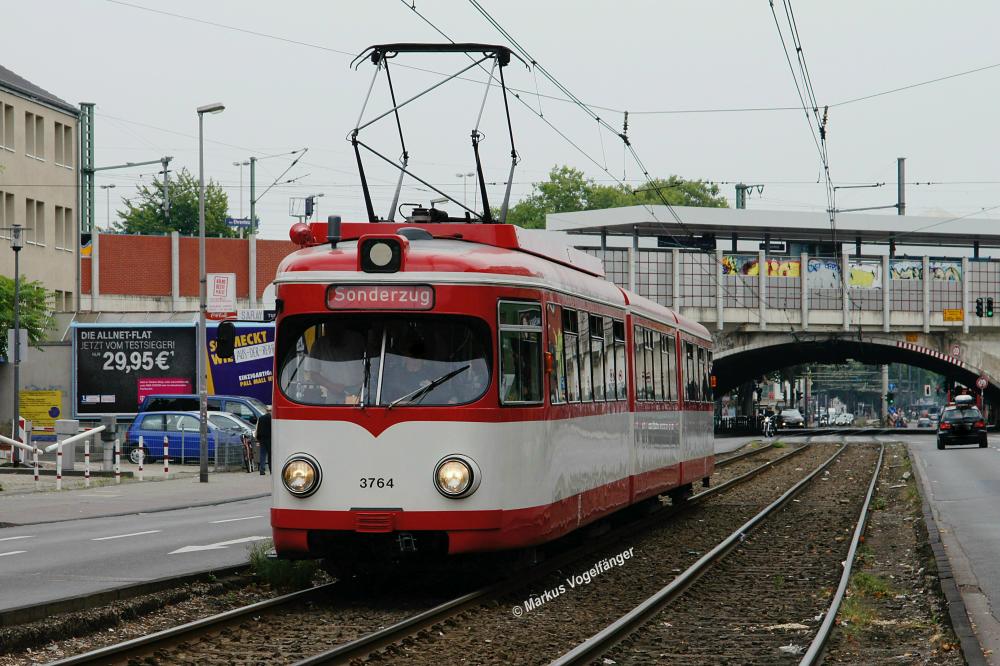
(380, 297)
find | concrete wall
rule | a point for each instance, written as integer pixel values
(45, 369)
(41, 178)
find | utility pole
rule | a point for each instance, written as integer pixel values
(741, 196)
(253, 198)
(165, 161)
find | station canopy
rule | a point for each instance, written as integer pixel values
(806, 227)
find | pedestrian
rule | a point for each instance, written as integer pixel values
(263, 435)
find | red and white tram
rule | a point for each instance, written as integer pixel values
(451, 388)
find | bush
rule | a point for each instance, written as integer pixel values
(280, 574)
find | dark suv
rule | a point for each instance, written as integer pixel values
(961, 424)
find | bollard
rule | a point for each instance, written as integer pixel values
(142, 455)
(34, 457)
(59, 467)
(166, 456)
(86, 463)
(118, 461)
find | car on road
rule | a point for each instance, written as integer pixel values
(182, 431)
(924, 422)
(961, 423)
(791, 418)
(246, 408)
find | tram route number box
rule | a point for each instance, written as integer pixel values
(115, 366)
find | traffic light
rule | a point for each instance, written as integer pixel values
(989, 306)
(890, 398)
(311, 200)
(979, 307)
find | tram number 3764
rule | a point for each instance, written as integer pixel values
(376, 482)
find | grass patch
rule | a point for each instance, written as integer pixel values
(864, 584)
(879, 504)
(912, 495)
(865, 555)
(779, 581)
(280, 574)
(778, 444)
(855, 615)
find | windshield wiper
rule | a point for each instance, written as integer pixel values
(364, 384)
(427, 388)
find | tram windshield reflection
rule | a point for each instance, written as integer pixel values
(377, 360)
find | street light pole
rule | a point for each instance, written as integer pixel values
(465, 189)
(108, 188)
(241, 165)
(202, 304)
(16, 243)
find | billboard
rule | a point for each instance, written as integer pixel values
(251, 370)
(116, 365)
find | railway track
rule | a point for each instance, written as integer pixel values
(220, 638)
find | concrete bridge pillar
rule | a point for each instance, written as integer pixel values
(719, 300)
(804, 290)
(886, 292)
(927, 294)
(885, 389)
(762, 288)
(965, 295)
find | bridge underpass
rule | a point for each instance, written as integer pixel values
(776, 291)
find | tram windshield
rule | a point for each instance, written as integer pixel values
(384, 360)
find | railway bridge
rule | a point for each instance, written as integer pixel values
(778, 289)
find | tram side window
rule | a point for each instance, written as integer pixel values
(669, 367)
(586, 378)
(520, 352)
(597, 355)
(640, 364)
(690, 373)
(610, 392)
(571, 325)
(621, 376)
(655, 347)
(703, 367)
(557, 378)
(647, 350)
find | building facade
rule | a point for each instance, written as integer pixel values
(39, 185)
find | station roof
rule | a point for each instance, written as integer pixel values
(807, 227)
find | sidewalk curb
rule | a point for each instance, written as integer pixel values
(972, 650)
(82, 602)
(136, 513)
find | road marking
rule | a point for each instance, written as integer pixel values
(227, 520)
(217, 546)
(13, 552)
(17, 537)
(122, 536)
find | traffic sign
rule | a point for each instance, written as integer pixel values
(956, 350)
(982, 383)
(892, 387)
(927, 389)
(238, 222)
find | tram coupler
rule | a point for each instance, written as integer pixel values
(407, 543)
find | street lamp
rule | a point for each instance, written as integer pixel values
(241, 165)
(202, 305)
(465, 182)
(16, 243)
(108, 188)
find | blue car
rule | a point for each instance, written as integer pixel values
(183, 433)
(246, 408)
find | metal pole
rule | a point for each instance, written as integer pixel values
(253, 189)
(901, 185)
(202, 307)
(17, 340)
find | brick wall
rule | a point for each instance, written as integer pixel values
(140, 265)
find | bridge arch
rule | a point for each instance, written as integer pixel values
(759, 355)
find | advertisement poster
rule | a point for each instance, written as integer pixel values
(251, 370)
(865, 275)
(42, 408)
(116, 365)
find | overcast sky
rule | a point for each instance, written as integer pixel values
(147, 72)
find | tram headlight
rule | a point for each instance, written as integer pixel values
(456, 476)
(301, 475)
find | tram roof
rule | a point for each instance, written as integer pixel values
(780, 226)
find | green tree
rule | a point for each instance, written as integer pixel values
(144, 213)
(568, 190)
(34, 313)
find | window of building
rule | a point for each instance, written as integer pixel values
(39, 137)
(571, 326)
(7, 126)
(63, 228)
(520, 352)
(63, 145)
(29, 134)
(6, 218)
(34, 222)
(621, 376)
